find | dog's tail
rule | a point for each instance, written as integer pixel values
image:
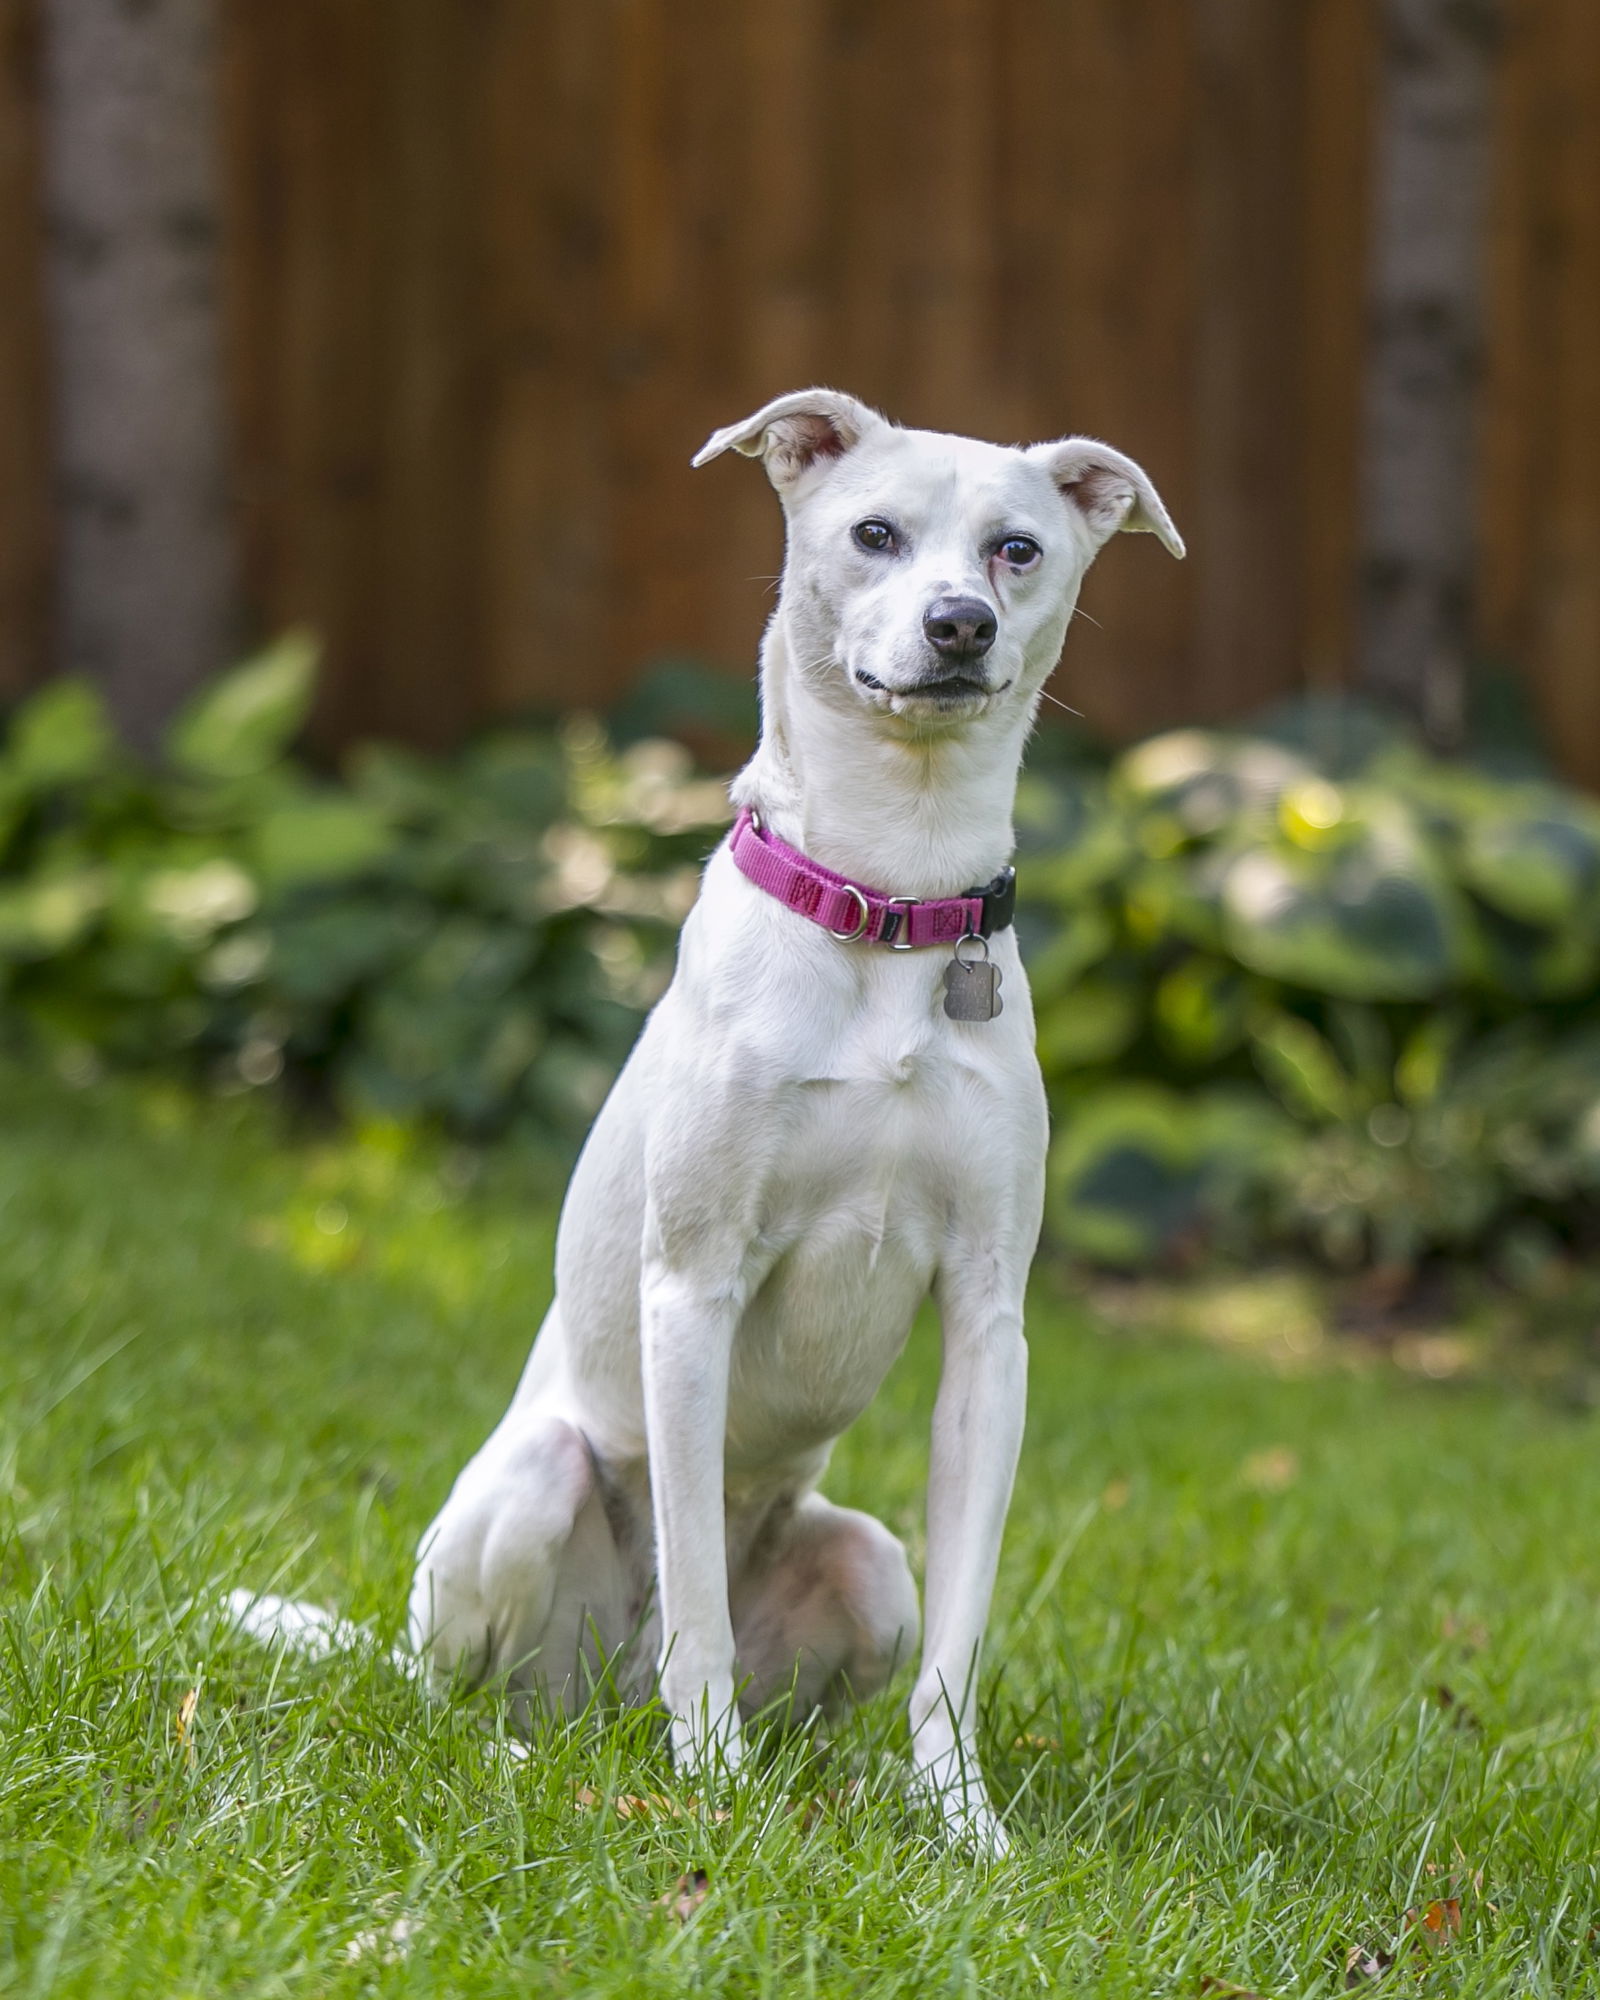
(307, 1629)
(318, 1634)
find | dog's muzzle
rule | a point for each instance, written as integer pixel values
(939, 687)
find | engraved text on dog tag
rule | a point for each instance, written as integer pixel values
(971, 989)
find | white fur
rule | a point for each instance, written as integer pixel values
(801, 1147)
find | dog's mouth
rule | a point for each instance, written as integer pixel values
(948, 691)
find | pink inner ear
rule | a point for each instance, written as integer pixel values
(1098, 490)
(812, 437)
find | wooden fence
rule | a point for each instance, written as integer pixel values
(497, 267)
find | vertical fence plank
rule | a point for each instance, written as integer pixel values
(653, 240)
(1539, 510)
(545, 228)
(1563, 637)
(785, 130)
(953, 297)
(1248, 509)
(306, 188)
(745, 321)
(1114, 120)
(428, 611)
(785, 273)
(1339, 60)
(253, 254)
(1508, 493)
(24, 450)
(871, 162)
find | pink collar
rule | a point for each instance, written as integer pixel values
(849, 910)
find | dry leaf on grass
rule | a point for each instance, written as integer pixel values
(1471, 1633)
(1458, 1876)
(686, 1895)
(645, 1805)
(1429, 1927)
(822, 1803)
(1462, 1716)
(185, 1725)
(1361, 1965)
(1436, 1923)
(1224, 1989)
(1271, 1471)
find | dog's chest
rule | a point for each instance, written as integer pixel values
(853, 1219)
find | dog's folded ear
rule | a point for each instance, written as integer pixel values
(793, 433)
(1108, 489)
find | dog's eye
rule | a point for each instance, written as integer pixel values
(1020, 551)
(877, 536)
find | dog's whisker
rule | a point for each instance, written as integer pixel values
(1046, 695)
(1079, 612)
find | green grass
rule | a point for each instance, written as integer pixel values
(1230, 1609)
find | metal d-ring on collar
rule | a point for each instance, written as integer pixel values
(849, 937)
(850, 889)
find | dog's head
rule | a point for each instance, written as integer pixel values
(929, 578)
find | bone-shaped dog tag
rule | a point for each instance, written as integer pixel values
(972, 986)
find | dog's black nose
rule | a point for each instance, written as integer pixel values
(959, 628)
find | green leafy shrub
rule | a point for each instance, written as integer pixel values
(1356, 1015)
(470, 941)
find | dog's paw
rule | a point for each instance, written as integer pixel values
(296, 1626)
(974, 1828)
(955, 1791)
(707, 1745)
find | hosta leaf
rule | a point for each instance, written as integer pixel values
(1071, 838)
(323, 953)
(1533, 963)
(244, 722)
(320, 839)
(1125, 1174)
(1374, 918)
(1203, 784)
(1302, 1068)
(42, 918)
(61, 735)
(1543, 868)
(1420, 1070)
(479, 960)
(1079, 936)
(1090, 1022)
(1180, 898)
(1200, 1009)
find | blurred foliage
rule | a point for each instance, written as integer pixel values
(1355, 1013)
(1307, 988)
(470, 941)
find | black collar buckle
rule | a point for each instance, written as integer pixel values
(999, 902)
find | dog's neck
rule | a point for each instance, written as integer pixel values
(926, 816)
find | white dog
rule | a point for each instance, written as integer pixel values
(834, 1110)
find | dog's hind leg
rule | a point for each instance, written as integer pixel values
(824, 1610)
(520, 1566)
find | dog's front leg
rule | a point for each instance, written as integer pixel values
(977, 1433)
(686, 1329)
